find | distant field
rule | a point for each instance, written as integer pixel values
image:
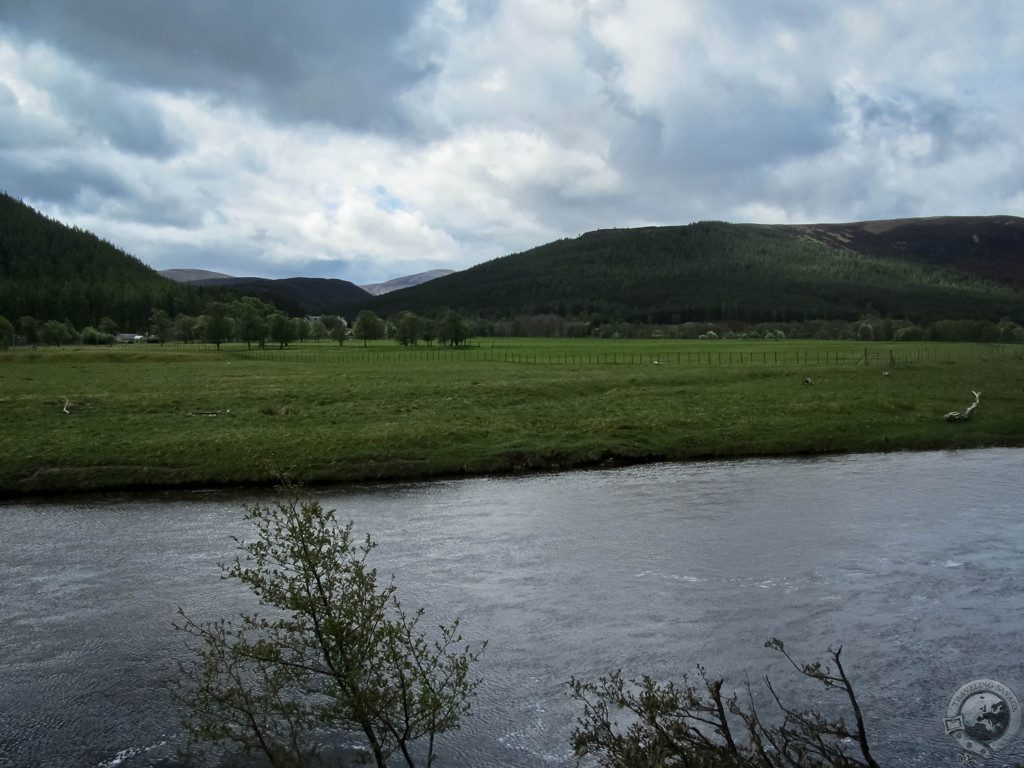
(190, 415)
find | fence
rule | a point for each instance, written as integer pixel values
(817, 356)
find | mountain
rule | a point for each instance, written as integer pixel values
(191, 275)
(302, 295)
(296, 295)
(51, 271)
(379, 289)
(746, 272)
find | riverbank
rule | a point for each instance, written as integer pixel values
(185, 418)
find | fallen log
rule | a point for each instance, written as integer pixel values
(966, 413)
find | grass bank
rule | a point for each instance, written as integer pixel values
(192, 416)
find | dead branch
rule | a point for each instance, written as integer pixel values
(67, 405)
(966, 413)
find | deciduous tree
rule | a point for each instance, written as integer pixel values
(330, 647)
(281, 329)
(408, 329)
(108, 326)
(29, 328)
(368, 327)
(250, 316)
(451, 329)
(699, 725)
(340, 332)
(6, 333)
(160, 325)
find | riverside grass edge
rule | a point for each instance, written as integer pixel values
(93, 419)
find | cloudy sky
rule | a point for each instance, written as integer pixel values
(367, 140)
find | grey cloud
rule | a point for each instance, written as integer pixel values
(64, 184)
(750, 22)
(160, 209)
(305, 60)
(720, 153)
(127, 122)
(750, 127)
(951, 127)
(85, 111)
(238, 261)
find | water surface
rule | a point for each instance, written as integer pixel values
(912, 561)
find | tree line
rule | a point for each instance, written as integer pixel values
(253, 321)
(249, 320)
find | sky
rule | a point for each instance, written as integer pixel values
(369, 140)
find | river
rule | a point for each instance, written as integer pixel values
(912, 561)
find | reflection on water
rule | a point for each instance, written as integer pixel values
(911, 561)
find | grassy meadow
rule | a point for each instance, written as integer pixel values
(188, 415)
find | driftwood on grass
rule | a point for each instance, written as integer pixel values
(67, 405)
(966, 413)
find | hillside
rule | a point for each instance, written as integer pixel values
(296, 295)
(990, 247)
(379, 289)
(715, 271)
(51, 271)
(190, 275)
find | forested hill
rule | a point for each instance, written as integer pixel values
(51, 271)
(991, 247)
(298, 295)
(706, 271)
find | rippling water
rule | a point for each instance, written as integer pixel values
(912, 561)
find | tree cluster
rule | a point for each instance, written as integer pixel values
(448, 328)
(865, 328)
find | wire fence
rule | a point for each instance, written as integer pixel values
(891, 356)
(817, 354)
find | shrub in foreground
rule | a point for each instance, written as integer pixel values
(331, 648)
(700, 727)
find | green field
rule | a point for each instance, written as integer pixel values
(193, 416)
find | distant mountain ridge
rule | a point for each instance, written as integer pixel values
(306, 295)
(297, 295)
(191, 275)
(379, 289)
